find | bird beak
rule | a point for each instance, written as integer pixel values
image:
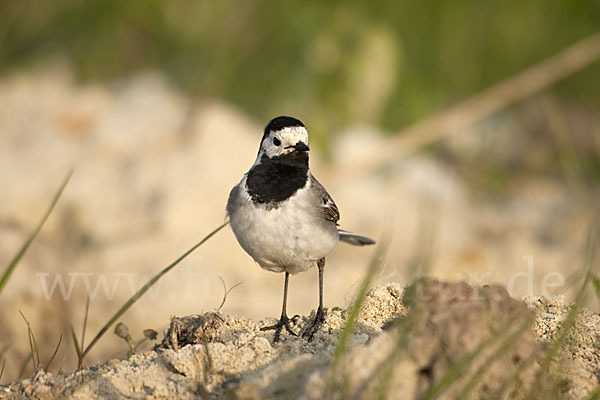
(300, 146)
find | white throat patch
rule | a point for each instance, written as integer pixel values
(289, 136)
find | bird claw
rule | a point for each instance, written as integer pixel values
(314, 325)
(284, 322)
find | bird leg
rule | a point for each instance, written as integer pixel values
(313, 327)
(284, 321)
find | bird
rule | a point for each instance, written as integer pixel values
(283, 217)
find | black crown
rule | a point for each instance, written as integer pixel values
(278, 123)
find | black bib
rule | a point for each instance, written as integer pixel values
(276, 179)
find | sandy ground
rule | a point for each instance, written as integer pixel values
(153, 170)
(405, 342)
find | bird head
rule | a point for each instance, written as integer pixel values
(283, 136)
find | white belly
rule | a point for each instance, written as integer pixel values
(290, 238)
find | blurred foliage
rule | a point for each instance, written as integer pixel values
(386, 62)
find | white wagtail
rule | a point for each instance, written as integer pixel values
(283, 217)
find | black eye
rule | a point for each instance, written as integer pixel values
(276, 141)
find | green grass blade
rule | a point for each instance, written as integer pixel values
(226, 292)
(502, 349)
(342, 344)
(2, 370)
(35, 356)
(85, 319)
(570, 161)
(54, 354)
(36, 365)
(145, 288)
(77, 347)
(23, 366)
(456, 371)
(595, 395)
(384, 371)
(13, 263)
(571, 318)
(76, 342)
(4, 350)
(596, 283)
(508, 383)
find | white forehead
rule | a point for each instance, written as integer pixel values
(292, 134)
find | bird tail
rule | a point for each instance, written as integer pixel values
(355, 239)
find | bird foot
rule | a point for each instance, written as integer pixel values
(284, 322)
(314, 325)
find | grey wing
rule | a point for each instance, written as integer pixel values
(327, 207)
(233, 202)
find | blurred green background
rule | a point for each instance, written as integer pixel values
(380, 66)
(387, 63)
